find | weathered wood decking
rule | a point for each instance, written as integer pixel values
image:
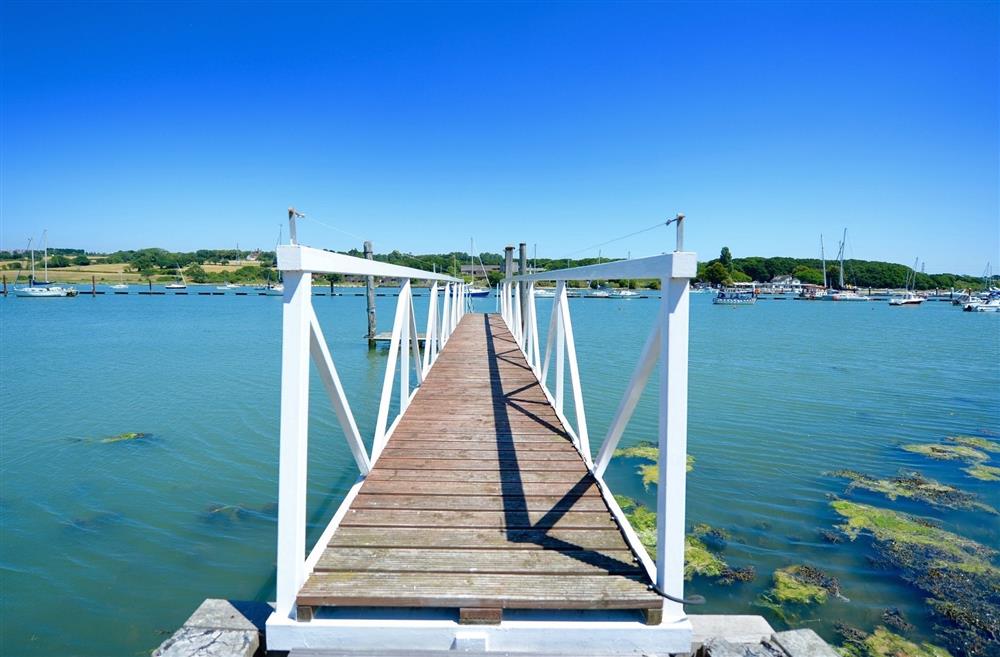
(479, 503)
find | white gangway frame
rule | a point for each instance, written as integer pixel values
(302, 339)
(416, 632)
(667, 345)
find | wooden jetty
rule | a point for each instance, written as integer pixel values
(485, 507)
(480, 521)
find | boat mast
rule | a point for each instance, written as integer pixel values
(822, 257)
(45, 257)
(840, 256)
(32, 249)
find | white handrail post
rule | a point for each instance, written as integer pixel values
(294, 445)
(404, 348)
(560, 345)
(533, 324)
(414, 345)
(430, 337)
(518, 333)
(445, 313)
(671, 489)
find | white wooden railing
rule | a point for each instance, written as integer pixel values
(302, 339)
(667, 344)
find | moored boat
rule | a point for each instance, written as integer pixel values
(729, 296)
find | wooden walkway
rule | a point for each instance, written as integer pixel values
(479, 503)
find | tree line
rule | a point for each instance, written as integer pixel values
(725, 269)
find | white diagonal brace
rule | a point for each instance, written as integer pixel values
(382, 421)
(645, 366)
(331, 381)
(574, 378)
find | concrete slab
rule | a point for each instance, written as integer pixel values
(803, 643)
(200, 642)
(735, 629)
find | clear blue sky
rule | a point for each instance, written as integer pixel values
(189, 125)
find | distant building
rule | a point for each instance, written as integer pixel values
(784, 284)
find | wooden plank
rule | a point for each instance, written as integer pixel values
(590, 502)
(465, 590)
(514, 518)
(488, 476)
(492, 443)
(374, 486)
(469, 464)
(479, 616)
(514, 539)
(525, 562)
(566, 453)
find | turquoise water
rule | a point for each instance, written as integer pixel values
(108, 547)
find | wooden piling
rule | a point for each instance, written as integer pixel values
(370, 294)
(93, 285)
(5, 284)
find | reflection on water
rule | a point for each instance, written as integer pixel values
(119, 541)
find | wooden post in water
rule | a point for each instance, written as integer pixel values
(5, 284)
(370, 295)
(93, 285)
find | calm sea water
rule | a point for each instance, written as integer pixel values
(108, 547)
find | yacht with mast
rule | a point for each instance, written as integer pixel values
(475, 290)
(909, 296)
(179, 282)
(844, 293)
(42, 289)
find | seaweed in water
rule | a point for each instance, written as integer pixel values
(976, 442)
(123, 437)
(983, 472)
(883, 643)
(698, 558)
(648, 451)
(915, 486)
(947, 452)
(830, 537)
(799, 585)
(894, 618)
(960, 583)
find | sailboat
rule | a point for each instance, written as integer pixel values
(909, 297)
(42, 289)
(474, 290)
(844, 294)
(179, 283)
(122, 285)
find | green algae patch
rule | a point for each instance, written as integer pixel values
(983, 472)
(976, 443)
(648, 451)
(947, 452)
(902, 529)
(796, 587)
(698, 558)
(122, 437)
(914, 486)
(960, 584)
(883, 643)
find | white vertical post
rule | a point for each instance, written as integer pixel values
(445, 314)
(294, 445)
(404, 348)
(560, 345)
(430, 333)
(534, 356)
(516, 306)
(414, 345)
(671, 489)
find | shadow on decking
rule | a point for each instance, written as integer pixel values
(515, 505)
